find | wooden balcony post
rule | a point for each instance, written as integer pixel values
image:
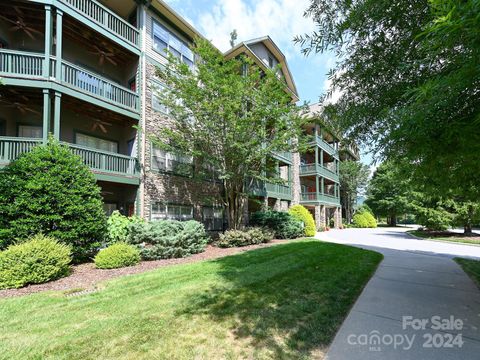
(56, 116)
(58, 46)
(46, 114)
(48, 40)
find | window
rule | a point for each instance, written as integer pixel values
(93, 142)
(164, 40)
(212, 217)
(156, 104)
(270, 62)
(169, 162)
(171, 212)
(109, 208)
(132, 84)
(30, 131)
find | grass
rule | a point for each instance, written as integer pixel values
(281, 302)
(471, 267)
(454, 237)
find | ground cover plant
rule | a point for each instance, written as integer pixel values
(282, 302)
(472, 238)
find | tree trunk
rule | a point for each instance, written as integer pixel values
(393, 220)
(467, 229)
(235, 206)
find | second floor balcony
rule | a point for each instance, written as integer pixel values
(30, 67)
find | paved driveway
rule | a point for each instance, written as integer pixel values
(416, 304)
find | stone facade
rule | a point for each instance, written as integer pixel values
(167, 187)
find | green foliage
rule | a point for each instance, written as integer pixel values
(118, 225)
(38, 260)
(433, 218)
(117, 256)
(249, 236)
(232, 123)
(302, 214)
(408, 74)
(364, 220)
(364, 208)
(353, 179)
(281, 223)
(466, 214)
(50, 190)
(168, 238)
(389, 192)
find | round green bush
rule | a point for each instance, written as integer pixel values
(118, 225)
(249, 236)
(302, 214)
(50, 190)
(372, 223)
(117, 256)
(38, 260)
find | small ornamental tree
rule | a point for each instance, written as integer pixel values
(49, 190)
(229, 115)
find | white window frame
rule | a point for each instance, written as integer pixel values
(169, 159)
(171, 212)
(112, 142)
(213, 221)
(172, 43)
(30, 128)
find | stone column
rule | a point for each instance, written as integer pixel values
(277, 206)
(337, 218)
(323, 216)
(318, 217)
(265, 203)
(295, 173)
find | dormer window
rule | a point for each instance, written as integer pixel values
(270, 62)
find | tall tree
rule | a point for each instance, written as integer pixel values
(409, 77)
(389, 193)
(353, 179)
(229, 115)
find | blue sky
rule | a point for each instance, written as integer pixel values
(280, 19)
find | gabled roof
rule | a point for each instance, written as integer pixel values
(245, 47)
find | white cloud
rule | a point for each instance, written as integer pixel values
(281, 19)
(336, 94)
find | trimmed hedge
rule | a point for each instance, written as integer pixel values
(168, 238)
(302, 214)
(284, 225)
(117, 256)
(249, 236)
(35, 261)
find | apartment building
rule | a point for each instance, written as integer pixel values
(84, 71)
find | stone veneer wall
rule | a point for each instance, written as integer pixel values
(296, 178)
(165, 187)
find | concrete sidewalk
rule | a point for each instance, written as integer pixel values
(415, 282)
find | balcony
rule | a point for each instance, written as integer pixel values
(317, 169)
(105, 19)
(30, 66)
(284, 156)
(277, 191)
(105, 165)
(319, 197)
(322, 144)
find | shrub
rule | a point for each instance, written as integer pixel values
(360, 220)
(35, 261)
(302, 214)
(281, 223)
(434, 219)
(364, 208)
(50, 190)
(249, 236)
(118, 225)
(372, 223)
(168, 238)
(117, 256)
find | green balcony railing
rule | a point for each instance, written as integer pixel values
(106, 18)
(96, 85)
(280, 191)
(107, 162)
(283, 155)
(318, 197)
(97, 160)
(317, 169)
(21, 63)
(12, 147)
(326, 146)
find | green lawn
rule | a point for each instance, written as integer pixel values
(460, 239)
(471, 267)
(281, 302)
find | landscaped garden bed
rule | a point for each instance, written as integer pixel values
(451, 236)
(284, 301)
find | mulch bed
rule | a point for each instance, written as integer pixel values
(84, 277)
(449, 234)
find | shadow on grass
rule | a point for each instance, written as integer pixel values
(287, 300)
